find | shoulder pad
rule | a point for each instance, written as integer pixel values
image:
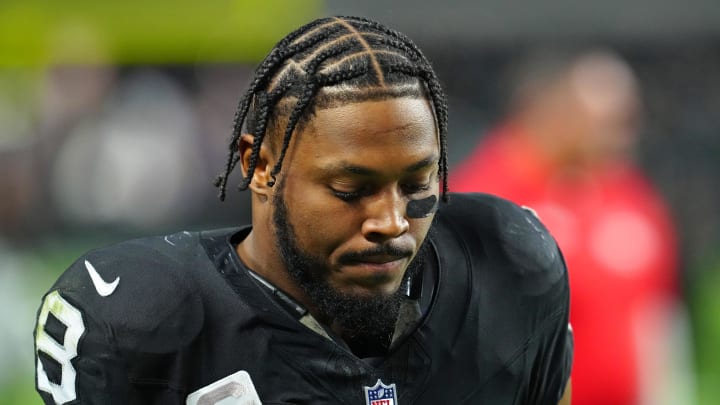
(141, 290)
(508, 232)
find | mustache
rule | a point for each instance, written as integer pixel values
(387, 249)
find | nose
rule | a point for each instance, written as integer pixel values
(385, 217)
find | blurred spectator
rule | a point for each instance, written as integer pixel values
(136, 162)
(565, 150)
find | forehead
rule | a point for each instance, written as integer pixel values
(390, 129)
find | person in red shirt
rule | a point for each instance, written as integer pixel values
(565, 150)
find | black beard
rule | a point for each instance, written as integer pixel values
(365, 320)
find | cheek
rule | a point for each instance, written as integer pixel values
(420, 228)
(320, 224)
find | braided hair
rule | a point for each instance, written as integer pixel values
(358, 58)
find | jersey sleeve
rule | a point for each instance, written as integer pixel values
(551, 352)
(75, 355)
(111, 316)
(543, 281)
(528, 283)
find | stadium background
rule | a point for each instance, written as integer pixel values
(114, 115)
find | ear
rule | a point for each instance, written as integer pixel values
(263, 164)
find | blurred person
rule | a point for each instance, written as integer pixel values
(566, 150)
(102, 170)
(360, 279)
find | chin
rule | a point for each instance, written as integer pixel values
(367, 291)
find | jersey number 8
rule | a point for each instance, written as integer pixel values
(62, 351)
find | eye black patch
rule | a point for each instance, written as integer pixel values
(422, 208)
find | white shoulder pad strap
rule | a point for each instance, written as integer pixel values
(235, 389)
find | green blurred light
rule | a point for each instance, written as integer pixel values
(41, 32)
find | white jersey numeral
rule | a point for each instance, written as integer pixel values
(62, 352)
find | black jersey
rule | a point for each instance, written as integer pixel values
(178, 320)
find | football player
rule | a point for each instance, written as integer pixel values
(361, 280)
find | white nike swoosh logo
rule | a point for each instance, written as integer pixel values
(102, 288)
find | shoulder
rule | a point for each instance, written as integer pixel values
(510, 236)
(138, 263)
(137, 287)
(118, 313)
(518, 284)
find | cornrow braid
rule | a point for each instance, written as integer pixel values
(372, 60)
(292, 122)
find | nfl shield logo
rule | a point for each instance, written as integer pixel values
(380, 394)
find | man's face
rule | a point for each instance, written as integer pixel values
(341, 207)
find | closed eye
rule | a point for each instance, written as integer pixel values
(350, 196)
(415, 188)
(346, 196)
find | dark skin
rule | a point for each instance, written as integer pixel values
(348, 177)
(347, 182)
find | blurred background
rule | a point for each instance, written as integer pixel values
(114, 118)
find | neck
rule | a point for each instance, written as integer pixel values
(259, 252)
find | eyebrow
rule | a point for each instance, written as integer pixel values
(365, 171)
